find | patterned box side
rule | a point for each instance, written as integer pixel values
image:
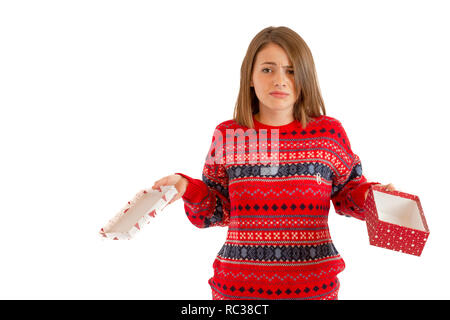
(391, 236)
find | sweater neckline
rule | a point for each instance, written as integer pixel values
(260, 125)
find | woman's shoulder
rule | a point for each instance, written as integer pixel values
(325, 119)
(330, 126)
(228, 124)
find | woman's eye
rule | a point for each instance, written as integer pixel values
(289, 71)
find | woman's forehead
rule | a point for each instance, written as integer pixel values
(274, 55)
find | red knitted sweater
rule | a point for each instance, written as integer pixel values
(278, 245)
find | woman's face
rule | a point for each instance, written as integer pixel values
(273, 71)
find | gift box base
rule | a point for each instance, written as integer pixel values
(395, 221)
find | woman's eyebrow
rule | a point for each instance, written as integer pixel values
(273, 63)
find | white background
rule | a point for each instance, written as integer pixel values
(101, 98)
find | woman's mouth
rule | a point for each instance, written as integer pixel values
(279, 94)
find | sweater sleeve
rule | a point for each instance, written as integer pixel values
(206, 201)
(349, 184)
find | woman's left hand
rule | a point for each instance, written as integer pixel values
(387, 187)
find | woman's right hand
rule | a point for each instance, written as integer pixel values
(180, 183)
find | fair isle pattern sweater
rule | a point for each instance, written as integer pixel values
(278, 244)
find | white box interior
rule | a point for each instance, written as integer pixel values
(398, 210)
(142, 206)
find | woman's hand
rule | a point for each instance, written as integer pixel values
(180, 183)
(387, 187)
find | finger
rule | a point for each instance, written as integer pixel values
(162, 182)
(156, 187)
(159, 183)
(168, 181)
(175, 198)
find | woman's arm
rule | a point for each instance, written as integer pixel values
(349, 187)
(206, 201)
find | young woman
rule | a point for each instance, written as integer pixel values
(278, 245)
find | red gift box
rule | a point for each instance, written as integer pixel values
(395, 221)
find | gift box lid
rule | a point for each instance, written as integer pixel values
(136, 213)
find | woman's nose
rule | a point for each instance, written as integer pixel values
(280, 78)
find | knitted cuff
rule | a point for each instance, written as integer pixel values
(196, 189)
(358, 194)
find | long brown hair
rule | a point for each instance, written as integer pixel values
(309, 103)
